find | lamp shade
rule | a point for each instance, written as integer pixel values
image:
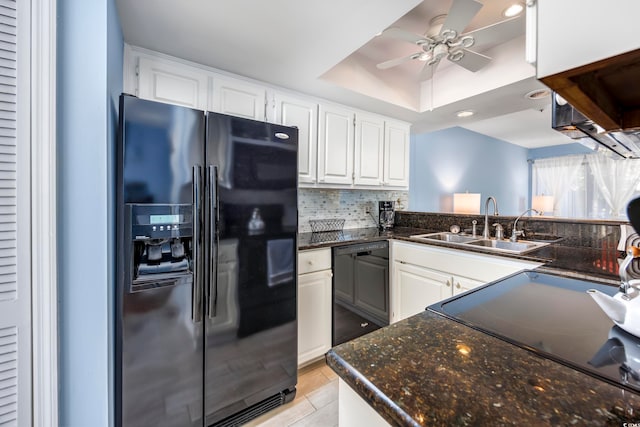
(543, 204)
(466, 203)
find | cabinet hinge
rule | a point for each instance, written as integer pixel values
(137, 71)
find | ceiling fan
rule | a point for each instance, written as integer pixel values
(449, 41)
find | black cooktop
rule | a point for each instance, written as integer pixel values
(554, 317)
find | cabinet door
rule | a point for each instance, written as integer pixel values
(371, 286)
(463, 284)
(238, 98)
(396, 155)
(417, 287)
(302, 114)
(171, 82)
(369, 150)
(314, 315)
(335, 145)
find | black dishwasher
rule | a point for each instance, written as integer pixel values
(360, 289)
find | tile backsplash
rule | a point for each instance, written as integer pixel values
(350, 205)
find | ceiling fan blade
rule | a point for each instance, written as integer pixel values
(498, 33)
(397, 61)
(472, 61)
(460, 14)
(400, 34)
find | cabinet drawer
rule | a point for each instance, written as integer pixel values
(314, 260)
(483, 268)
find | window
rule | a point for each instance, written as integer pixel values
(587, 186)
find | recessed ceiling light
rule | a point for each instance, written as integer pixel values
(465, 113)
(513, 10)
(538, 94)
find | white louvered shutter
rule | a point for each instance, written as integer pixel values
(15, 326)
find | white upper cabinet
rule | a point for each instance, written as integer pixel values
(335, 145)
(172, 82)
(369, 149)
(338, 147)
(573, 33)
(303, 114)
(237, 98)
(396, 154)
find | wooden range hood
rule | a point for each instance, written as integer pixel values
(606, 91)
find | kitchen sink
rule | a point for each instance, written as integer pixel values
(507, 246)
(445, 237)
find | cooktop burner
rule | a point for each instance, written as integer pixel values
(555, 317)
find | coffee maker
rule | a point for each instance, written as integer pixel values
(386, 215)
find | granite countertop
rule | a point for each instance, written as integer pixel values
(414, 374)
(578, 261)
(427, 370)
(354, 235)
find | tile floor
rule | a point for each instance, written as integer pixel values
(315, 405)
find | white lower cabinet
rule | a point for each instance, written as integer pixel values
(353, 411)
(314, 304)
(416, 286)
(423, 275)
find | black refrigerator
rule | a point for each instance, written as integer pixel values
(206, 213)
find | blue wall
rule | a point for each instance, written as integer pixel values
(456, 160)
(558, 151)
(90, 49)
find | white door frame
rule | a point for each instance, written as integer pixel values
(43, 214)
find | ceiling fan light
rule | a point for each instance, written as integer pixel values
(513, 10)
(440, 51)
(455, 55)
(424, 56)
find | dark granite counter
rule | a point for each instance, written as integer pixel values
(600, 263)
(355, 235)
(430, 371)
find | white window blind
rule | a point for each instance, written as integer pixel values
(10, 332)
(8, 137)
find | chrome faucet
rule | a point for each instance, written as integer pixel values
(515, 232)
(485, 232)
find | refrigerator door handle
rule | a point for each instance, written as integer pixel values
(198, 285)
(212, 172)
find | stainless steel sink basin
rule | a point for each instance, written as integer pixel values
(445, 237)
(518, 247)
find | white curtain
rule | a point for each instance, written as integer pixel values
(616, 180)
(557, 175)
